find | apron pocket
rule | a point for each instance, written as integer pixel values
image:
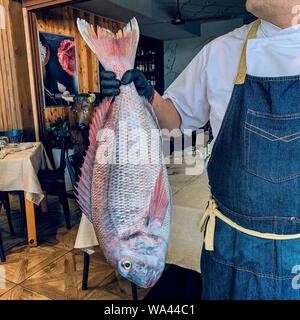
(243, 252)
(272, 146)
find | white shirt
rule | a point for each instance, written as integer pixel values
(203, 90)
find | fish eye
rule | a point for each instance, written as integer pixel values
(127, 265)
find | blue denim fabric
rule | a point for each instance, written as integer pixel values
(254, 174)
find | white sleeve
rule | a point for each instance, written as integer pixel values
(189, 93)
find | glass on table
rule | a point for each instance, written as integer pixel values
(4, 141)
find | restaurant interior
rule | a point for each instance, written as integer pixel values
(49, 85)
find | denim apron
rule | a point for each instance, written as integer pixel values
(252, 223)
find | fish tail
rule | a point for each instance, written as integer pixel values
(83, 190)
(115, 51)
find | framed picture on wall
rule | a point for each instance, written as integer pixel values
(58, 66)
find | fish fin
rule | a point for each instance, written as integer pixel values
(159, 200)
(113, 50)
(83, 190)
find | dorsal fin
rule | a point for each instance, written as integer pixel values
(84, 187)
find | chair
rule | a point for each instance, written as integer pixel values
(74, 164)
(53, 183)
(14, 136)
(2, 252)
(4, 201)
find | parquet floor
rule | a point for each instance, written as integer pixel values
(53, 270)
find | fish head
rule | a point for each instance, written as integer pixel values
(142, 261)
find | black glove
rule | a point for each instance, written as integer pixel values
(109, 84)
(143, 87)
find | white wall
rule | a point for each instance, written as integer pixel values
(178, 53)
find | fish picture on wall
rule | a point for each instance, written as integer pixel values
(123, 188)
(58, 66)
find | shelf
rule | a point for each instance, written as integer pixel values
(152, 61)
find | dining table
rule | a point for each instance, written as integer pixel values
(19, 167)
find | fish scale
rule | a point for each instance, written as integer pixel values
(138, 181)
(124, 189)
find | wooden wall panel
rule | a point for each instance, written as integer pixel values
(9, 108)
(15, 98)
(21, 66)
(63, 21)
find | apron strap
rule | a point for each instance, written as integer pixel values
(208, 223)
(242, 71)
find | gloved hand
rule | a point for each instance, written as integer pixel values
(109, 84)
(143, 87)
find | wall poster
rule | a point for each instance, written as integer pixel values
(59, 67)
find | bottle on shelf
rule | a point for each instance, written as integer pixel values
(146, 63)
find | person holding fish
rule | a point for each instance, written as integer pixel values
(247, 83)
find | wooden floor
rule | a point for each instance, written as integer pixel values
(53, 270)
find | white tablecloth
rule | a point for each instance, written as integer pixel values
(18, 171)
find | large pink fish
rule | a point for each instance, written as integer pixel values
(124, 189)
